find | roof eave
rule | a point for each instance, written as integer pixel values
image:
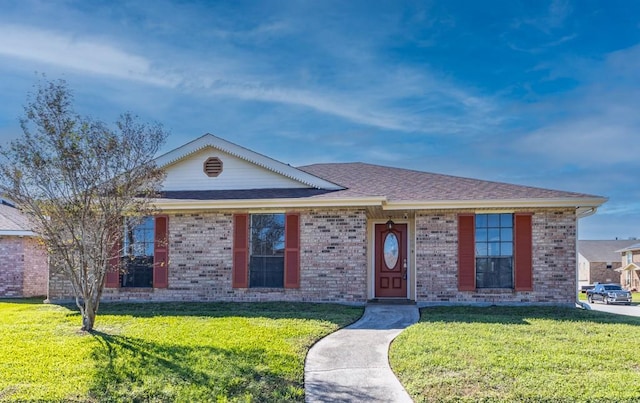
(594, 203)
(17, 233)
(189, 204)
(182, 204)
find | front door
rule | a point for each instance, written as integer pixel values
(391, 261)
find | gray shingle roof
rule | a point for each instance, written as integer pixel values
(11, 219)
(603, 251)
(396, 184)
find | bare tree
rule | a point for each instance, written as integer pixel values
(77, 179)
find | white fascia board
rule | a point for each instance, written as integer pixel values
(514, 203)
(209, 140)
(17, 233)
(182, 204)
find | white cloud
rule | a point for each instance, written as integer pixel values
(371, 93)
(87, 55)
(594, 124)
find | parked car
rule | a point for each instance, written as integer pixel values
(609, 294)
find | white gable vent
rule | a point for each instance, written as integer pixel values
(212, 166)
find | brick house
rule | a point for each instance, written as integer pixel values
(630, 266)
(598, 261)
(23, 261)
(235, 225)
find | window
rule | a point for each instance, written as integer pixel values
(142, 259)
(629, 257)
(266, 250)
(138, 254)
(266, 258)
(494, 250)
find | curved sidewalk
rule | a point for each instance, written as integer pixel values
(352, 364)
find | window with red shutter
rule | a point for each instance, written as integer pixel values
(112, 278)
(161, 252)
(523, 252)
(266, 251)
(466, 252)
(240, 274)
(292, 251)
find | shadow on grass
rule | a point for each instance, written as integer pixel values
(25, 301)
(132, 369)
(338, 314)
(519, 315)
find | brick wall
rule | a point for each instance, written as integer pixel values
(11, 266)
(599, 273)
(554, 260)
(332, 260)
(36, 268)
(23, 267)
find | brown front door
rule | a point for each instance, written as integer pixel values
(391, 261)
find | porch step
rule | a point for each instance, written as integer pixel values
(390, 301)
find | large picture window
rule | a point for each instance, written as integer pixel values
(267, 248)
(494, 250)
(138, 254)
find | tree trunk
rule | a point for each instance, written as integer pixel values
(88, 316)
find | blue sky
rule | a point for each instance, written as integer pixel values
(540, 93)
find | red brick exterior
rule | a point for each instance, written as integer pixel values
(554, 260)
(334, 260)
(23, 267)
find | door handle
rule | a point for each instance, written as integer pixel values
(404, 269)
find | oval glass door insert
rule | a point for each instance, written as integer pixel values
(391, 250)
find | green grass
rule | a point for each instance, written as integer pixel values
(519, 354)
(161, 352)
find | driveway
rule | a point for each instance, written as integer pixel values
(352, 364)
(629, 310)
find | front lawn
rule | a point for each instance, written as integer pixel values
(519, 354)
(161, 352)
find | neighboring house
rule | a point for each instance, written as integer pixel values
(235, 225)
(630, 269)
(598, 261)
(23, 260)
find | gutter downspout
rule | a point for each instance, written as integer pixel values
(579, 215)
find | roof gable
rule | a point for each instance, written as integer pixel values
(269, 172)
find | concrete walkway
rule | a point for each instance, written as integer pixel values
(352, 364)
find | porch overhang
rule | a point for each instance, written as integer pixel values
(629, 267)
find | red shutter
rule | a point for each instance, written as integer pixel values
(240, 251)
(523, 247)
(466, 252)
(161, 253)
(112, 278)
(292, 251)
